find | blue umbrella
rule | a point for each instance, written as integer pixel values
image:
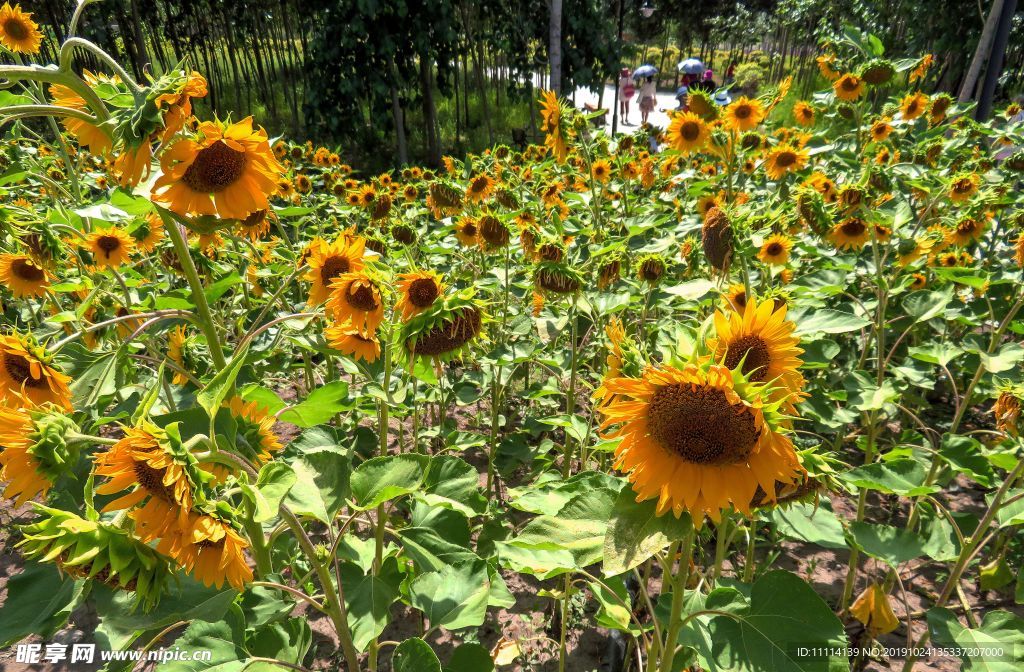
(691, 66)
(646, 70)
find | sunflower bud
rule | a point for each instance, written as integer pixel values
(97, 551)
(877, 72)
(49, 445)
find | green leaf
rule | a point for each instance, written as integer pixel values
(263, 397)
(1008, 357)
(288, 641)
(892, 545)
(549, 493)
(415, 655)
(938, 352)
(903, 476)
(809, 523)
(635, 533)
(430, 551)
(384, 478)
(470, 657)
(826, 321)
(998, 631)
(454, 483)
(784, 614)
(614, 604)
(39, 601)
(368, 599)
(453, 598)
(224, 640)
(275, 481)
(965, 455)
(579, 528)
(538, 562)
(924, 305)
(146, 405)
(320, 406)
(321, 483)
(975, 278)
(216, 391)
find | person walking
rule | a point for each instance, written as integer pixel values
(648, 97)
(626, 92)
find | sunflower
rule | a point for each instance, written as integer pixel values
(744, 114)
(479, 188)
(367, 195)
(176, 343)
(209, 547)
(467, 232)
(88, 134)
(825, 63)
(348, 341)
(880, 130)
(230, 172)
(921, 69)
(687, 132)
(784, 159)
(849, 87)
(26, 372)
(133, 164)
(110, 247)
(328, 261)
(445, 331)
(23, 276)
(148, 233)
(918, 281)
(913, 105)
(1006, 412)
(356, 299)
(257, 224)
(254, 436)
(803, 112)
(554, 125)
(1018, 250)
(650, 268)
(601, 171)
(152, 465)
(966, 231)
(940, 105)
(775, 250)
(410, 193)
(850, 234)
(18, 32)
(963, 187)
(697, 438)
(303, 184)
(417, 292)
(873, 610)
(760, 340)
(32, 454)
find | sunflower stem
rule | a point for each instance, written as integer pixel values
(675, 623)
(563, 636)
(750, 565)
(570, 403)
(205, 321)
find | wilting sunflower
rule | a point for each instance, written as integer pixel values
(881, 129)
(761, 340)
(23, 276)
(328, 261)
(445, 331)
(417, 292)
(27, 372)
(479, 188)
(850, 234)
(230, 172)
(257, 224)
(348, 341)
(784, 159)
(554, 125)
(18, 32)
(921, 69)
(34, 451)
(873, 610)
(356, 300)
(88, 134)
(1006, 412)
(803, 112)
(913, 105)
(551, 277)
(254, 436)
(849, 87)
(176, 344)
(963, 187)
(208, 546)
(110, 247)
(697, 438)
(716, 238)
(687, 132)
(775, 250)
(744, 114)
(966, 231)
(157, 471)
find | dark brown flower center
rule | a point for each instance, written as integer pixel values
(423, 292)
(651, 270)
(152, 481)
(774, 249)
(698, 424)
(743, 112)
(26, 270)
(361, 298)
(690, 131)
(449, 335)
(963, 185)
(853, 227)
(479, 185)
(108, 245)
(255, 219)
(16, 28)
(755, 350)
(785, 159)
(332, 268)
(19, 370)
(214, 169)
(849, 84)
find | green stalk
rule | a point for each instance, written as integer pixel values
(570, 403)
(675, 623)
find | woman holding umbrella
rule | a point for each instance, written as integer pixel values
(626, 91)
(648, 90)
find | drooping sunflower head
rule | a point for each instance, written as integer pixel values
(550, 277)
(939, 106)
(208, 545)
(18, 32)
(97, 551)
(27, 371)
(1006, 411)
(444, 199)
(699, 439)
(966, 231)
(229, 171)
(34, 450)
(494, 234)
(254, 430)
(257, 224)
(110, 247)
(701, 104)
(651, 268)
(328, 261)
(445, 331)
(555, 124)
(356, 300)
(23, 276)
(609, 271)
(349, 342)
(963, 187)
(417, 292)
(744, 114)
(716, 238)
(877, 72)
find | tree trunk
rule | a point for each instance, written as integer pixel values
(981, 52)
(141, 57)
(555, 46)
(430, 111)
(995, 61)
(397, 114)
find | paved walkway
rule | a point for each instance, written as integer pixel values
(666, 101)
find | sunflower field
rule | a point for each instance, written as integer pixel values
(750, 402)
